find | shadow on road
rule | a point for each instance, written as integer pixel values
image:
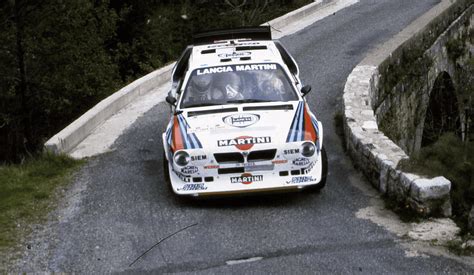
(246, 201)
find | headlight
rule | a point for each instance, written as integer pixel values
(181, 158)
(308, 149)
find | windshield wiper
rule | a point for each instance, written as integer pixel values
(247, 101)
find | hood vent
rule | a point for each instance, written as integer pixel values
(208, 51)
(213, 111)
(264, 108)
(250, 48)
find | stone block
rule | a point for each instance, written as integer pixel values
(369, 113)
(400, 189)
(430, 189)
(407, 179)
(369, 125)
(385, 168)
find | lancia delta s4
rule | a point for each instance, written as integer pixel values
(239, 119)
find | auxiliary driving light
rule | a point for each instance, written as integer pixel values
(307, 149)
(181, 158)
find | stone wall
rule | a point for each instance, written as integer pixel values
(379, 83)
(408, 75)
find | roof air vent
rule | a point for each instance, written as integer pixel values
(208, 51)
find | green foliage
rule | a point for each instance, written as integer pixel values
(453, 159)
(411, 66)
(455, 48)
(153, 33)
(464, 77)
(54, 67)
(458, 246)
(25, 190)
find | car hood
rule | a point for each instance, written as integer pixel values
(243, 128)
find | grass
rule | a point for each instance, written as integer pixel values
(453, 159)
(27, 193)
(459, 248)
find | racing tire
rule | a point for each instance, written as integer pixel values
(324, 172)
(166, 171)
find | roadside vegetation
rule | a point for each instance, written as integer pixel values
(453, 159)
(27, 191)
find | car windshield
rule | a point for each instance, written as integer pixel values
(247, 83)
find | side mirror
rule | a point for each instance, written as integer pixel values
(171, 99)
(305, 90)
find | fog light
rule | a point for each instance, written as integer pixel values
(308, 149)
(181, 158)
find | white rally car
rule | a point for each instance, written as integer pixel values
(239, 120)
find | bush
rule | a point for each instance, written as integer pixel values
(453, 159)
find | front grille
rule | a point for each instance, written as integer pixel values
(261, 155)
(251, 168)
(232, 170)
(229, 157)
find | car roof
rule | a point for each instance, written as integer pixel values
(232, 52)
(247, 45)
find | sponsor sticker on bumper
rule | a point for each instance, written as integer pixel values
(246, 178)
(193, 187)
(301, 179)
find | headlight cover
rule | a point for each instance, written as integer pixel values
(308, 149)
(181, 158)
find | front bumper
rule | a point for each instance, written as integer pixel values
(276, 180)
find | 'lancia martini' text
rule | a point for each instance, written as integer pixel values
(237, 68)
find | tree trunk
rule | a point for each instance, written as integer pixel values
(22, 87)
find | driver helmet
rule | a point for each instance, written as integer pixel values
(233, 86)
(272, 86)
(202, 83)
(263, 76)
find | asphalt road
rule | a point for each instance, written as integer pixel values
(119, 205)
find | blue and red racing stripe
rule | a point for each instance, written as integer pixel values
(178, 137)
(304, 126)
